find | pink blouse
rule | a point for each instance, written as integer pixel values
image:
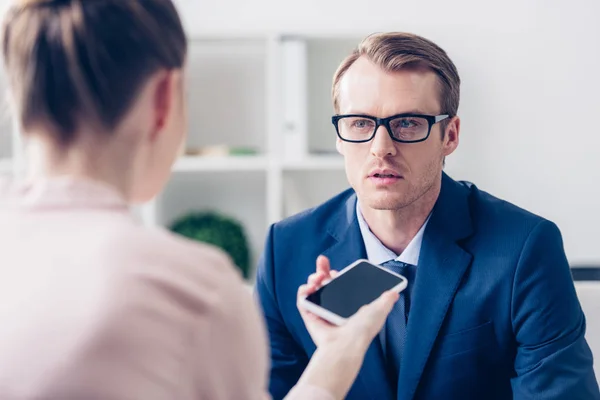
(95, 306)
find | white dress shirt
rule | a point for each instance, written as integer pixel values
(377, 253)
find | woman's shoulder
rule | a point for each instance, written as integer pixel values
(157, 249)
(154, 268)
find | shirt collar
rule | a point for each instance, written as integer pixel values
(377, 253)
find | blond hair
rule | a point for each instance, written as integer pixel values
(395, 51)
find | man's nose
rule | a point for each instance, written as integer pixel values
(382, 144)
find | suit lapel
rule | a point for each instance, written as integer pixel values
(348, 244)
(348, 247)
(442, 265)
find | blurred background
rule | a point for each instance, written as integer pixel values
(261, 145)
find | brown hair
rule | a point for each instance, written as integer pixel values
(395, 51)
(75, 61)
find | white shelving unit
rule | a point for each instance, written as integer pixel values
(315, 163)
(232, 164)
(6, 166)
(270, 95)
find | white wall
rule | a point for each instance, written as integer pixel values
(530, 95)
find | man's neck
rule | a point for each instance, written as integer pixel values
(396, 228)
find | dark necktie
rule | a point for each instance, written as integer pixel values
(395, 327)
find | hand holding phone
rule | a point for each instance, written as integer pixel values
(355, 286)
(340, 349)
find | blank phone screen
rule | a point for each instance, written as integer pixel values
(353, 289)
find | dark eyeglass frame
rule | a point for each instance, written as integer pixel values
(431, 119)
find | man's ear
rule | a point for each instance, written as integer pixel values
(451, 136)
(163, 84)
(339, 145)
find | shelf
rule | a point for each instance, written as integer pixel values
(255, 163)
(311, 163)
(214, 163)
(6, 123)
(6, 143)
(6, 166)
(323, 57)
(227, 81)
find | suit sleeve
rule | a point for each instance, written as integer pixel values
(288, 360)
(553, 359)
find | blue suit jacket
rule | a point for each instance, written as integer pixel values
(494, 311)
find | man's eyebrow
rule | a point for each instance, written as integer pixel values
(411, 111)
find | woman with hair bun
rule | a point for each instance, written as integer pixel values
(93, 305)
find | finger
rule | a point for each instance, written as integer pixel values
(386, 301)
(317, 276)
(373, 315)
(303, 311)
(332, 274)
(315, 282)
(313, 321)
(312, 278)
(323, 265)
(303, 291)
(317, 279)
(380, 308)
(317, 322)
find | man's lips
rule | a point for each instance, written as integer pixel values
(384, 173)
(383, 177)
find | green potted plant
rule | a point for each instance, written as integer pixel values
(219, 230)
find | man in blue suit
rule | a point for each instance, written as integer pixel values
(490, 312)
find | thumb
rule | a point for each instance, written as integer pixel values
(373, 315)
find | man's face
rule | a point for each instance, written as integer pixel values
(416, 167)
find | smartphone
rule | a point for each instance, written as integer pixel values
(355, 286)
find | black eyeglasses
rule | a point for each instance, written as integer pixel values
(404, 128)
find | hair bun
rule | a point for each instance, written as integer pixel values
(29, 3)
